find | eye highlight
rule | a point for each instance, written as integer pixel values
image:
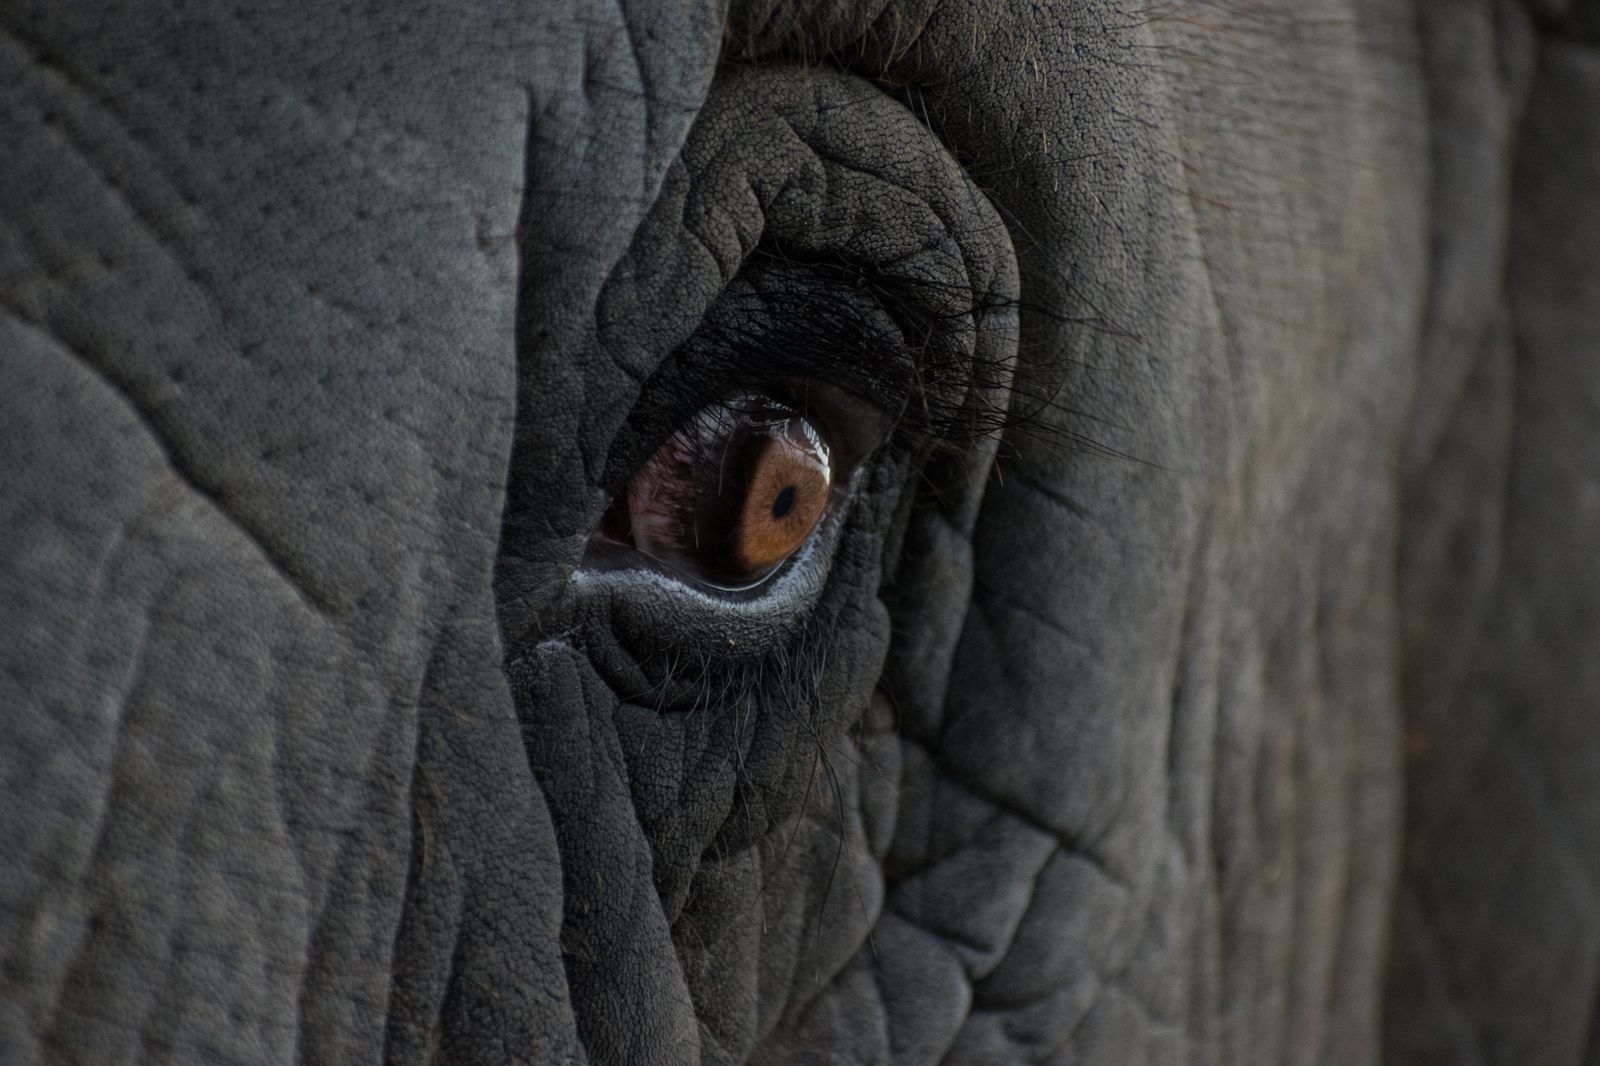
(730, 495)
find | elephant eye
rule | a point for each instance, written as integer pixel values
(732, 494)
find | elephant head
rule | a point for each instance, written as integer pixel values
(889, 531)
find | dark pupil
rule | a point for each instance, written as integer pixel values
(784, 501)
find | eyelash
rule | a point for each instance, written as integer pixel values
(787, 323)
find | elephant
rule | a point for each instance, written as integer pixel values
(882, 531)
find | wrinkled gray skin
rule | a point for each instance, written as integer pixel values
(1241, 706)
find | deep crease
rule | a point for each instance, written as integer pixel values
(190, 478)
(1065, 839)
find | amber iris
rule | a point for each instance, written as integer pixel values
(787, 493)
(731, 495)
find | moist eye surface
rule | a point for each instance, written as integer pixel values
(730, 495)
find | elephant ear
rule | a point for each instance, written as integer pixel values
(258, 295)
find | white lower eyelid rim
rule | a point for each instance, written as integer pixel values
(799, 579)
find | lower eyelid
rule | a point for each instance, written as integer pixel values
(666, 605)
(639, 622)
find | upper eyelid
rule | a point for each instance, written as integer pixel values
(765, 167)
(732, 351)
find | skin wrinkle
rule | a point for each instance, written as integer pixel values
(838, 808)
(148, 413)
(96, 386)
(1523, 1011)
(1287, 565)
(50, 1020)
(976, 971)
(60, 75)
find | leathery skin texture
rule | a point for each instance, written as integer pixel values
(1196, 662)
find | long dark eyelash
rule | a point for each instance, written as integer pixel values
(785, 323)
(834, 322)
(894, 343)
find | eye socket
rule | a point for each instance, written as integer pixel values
(735, 491)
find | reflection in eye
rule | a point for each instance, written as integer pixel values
(730, 495)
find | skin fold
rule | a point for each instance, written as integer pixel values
(1200, 668)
